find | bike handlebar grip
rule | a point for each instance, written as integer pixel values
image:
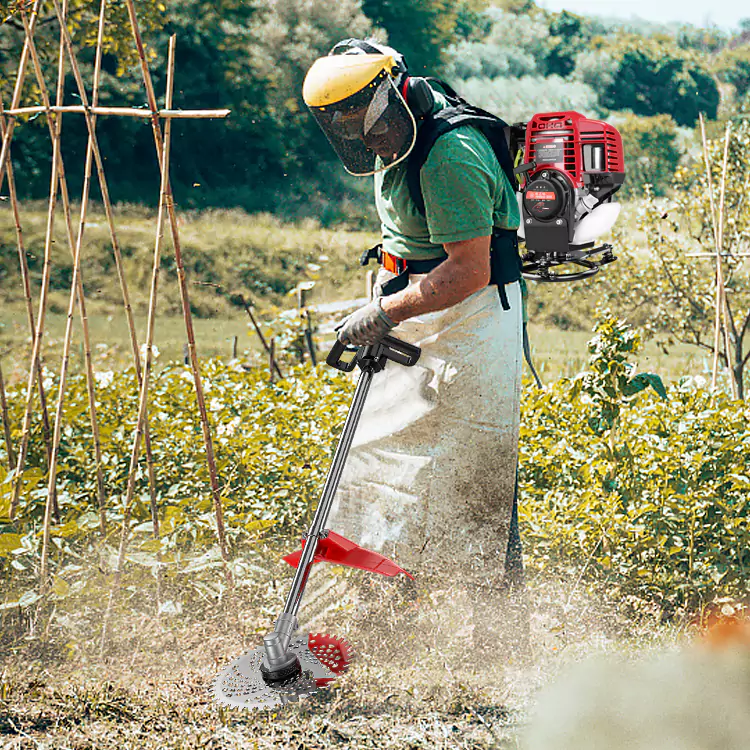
(334, 358)
(401, 351)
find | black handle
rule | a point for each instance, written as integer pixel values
(400, 351)
(389, 347)
(334, 358)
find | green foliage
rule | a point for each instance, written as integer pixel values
(513, 47)
(273, 444)
(568, 37)
(643, 494)
(708, 41)
(655, 77)
(519, 99)
(651, 153)
(678, 291)
(421, 30)
(733, 66)
(611, 382)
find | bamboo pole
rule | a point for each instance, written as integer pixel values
(16, 99)
(249, 311)
(75, 245)
(205, 427)
(26, 281)
(92, 150)
(6, 423)
(145, 114)
(164, 199)
(723, 302)
(720, 296)
(44, 292)
(76, 293)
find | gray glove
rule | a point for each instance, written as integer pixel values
(382, 278)
(365, 326)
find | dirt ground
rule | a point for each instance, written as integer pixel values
(419, 679)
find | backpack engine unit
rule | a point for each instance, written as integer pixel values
(564, 166)
(569, 168)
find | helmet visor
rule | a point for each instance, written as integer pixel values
(371, 130)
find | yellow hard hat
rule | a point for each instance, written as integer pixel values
(337, 77)
(354, 100)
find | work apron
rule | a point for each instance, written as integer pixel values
(431, 474)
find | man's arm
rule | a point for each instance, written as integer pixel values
(465, 271)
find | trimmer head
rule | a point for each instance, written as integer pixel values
(322, 659)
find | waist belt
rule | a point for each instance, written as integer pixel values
(505, 264)
(397, 265)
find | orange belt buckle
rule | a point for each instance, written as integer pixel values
(393, 263)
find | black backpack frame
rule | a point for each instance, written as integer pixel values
(504, 139)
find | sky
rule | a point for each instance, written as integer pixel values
(724, 13)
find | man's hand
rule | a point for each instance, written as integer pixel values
(365, 326)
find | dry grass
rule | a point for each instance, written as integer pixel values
(416, 682)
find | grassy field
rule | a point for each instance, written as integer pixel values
(556, 353)
(229, 253)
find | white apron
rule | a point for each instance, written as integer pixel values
(431, 474)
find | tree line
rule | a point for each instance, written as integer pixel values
(509, 56)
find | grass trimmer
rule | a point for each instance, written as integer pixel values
(289, 666)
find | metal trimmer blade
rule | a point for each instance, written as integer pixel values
(322, 659)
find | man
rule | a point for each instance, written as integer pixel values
(433, 465)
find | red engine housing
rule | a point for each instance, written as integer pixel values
(574, 145)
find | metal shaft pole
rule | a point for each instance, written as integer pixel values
(329, 491)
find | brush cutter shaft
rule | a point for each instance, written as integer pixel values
(329, 491)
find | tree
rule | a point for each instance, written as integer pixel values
(568, 37)
(733, 66)
(501, 54)
(671, 294)
(422, 30)
(655, 77)
(651, 153)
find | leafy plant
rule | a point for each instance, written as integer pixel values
(636, 487)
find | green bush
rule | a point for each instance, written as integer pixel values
(651, 153)
(641, 489)
(273, 444)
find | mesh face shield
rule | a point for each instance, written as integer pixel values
(370, 130)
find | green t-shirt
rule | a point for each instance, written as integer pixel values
(465, 191)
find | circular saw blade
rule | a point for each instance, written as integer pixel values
(322, 658)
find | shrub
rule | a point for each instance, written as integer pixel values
(639, 488)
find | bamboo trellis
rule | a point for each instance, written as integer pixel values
(722, 316)
(160, 117)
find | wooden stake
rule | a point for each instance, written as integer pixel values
(164, 198)
(76, 288)
(6, 424)
(722, 302)
(167, 114)
(92, 150)
(717, 227)
(44, 293)
(272, 361)
(309, 339)
(215, 490)
(25, 280)
(16, 100)
(76, 292)
(249, 311)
